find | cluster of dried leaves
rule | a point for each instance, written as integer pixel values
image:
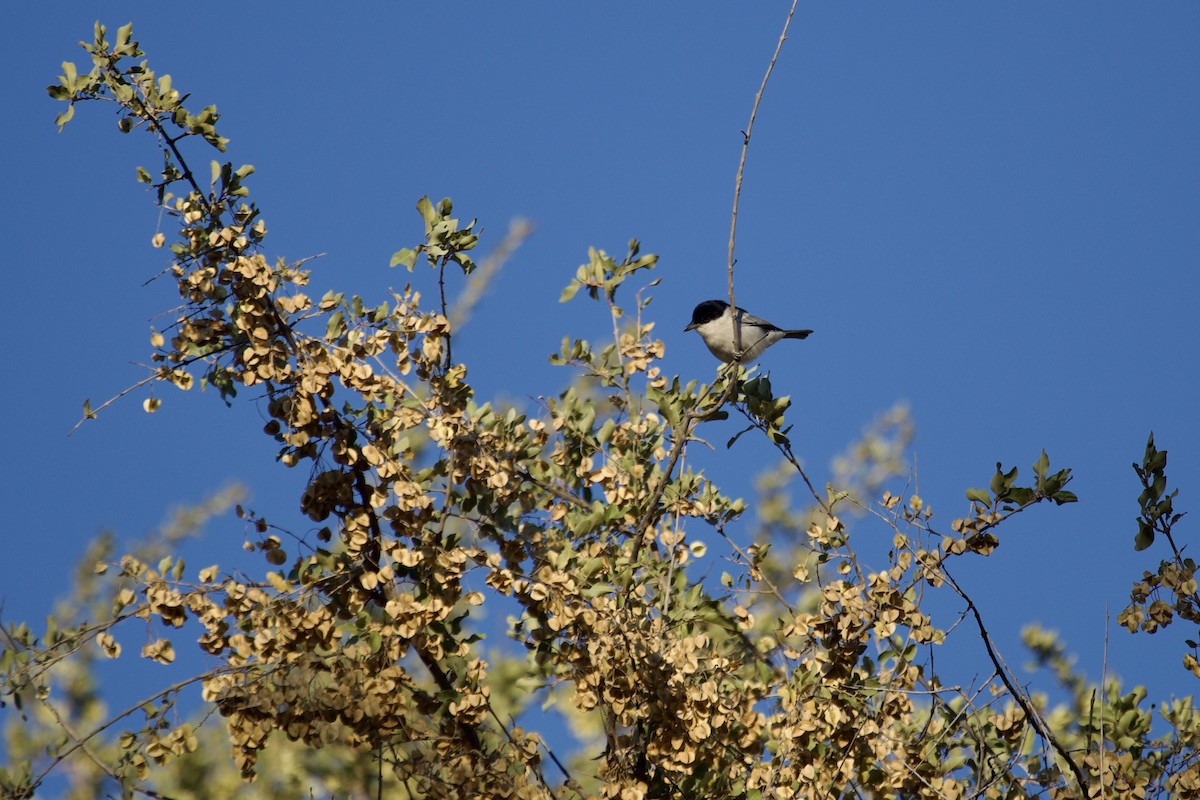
(806, 674)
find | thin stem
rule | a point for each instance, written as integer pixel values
(92, 756)
(737, 185)
(1018, 695)
(91, 412)
(448, 358)
(79, 743)
(786, 450)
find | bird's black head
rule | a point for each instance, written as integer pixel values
(707, 312)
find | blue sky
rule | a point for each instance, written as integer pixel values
(989, 211)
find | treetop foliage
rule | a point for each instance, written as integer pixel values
(359, 650)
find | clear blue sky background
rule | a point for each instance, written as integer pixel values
(990, 211)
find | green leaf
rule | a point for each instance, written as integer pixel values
(428, 213)
(1021, 495)
(1165, 507)
(738, 435)
(1145, 536)
(979, 496)
(834, 496)
(1042, 465)
(999, 484)
(336, 326)
(587, 419)
(404, 256)
(62, 119)
(123, 34)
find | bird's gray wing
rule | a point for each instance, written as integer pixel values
(749, 320)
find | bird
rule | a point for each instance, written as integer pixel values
(714, 321)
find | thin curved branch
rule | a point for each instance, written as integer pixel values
(79, 743)
(1002, 670)
(90, 413)
(786, 449)
(737, 184)
(94, 757)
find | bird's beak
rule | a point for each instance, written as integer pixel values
(691, 326)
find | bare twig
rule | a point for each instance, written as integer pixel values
(692, 418)
(80, 742)
(786, 450)
(1017, 693)
(737, 184)
(92, 756)
(90, 413)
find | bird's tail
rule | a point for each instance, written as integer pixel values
(796, 334)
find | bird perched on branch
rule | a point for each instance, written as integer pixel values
(714, 320)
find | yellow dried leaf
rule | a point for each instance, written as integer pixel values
(279, 583)
(108, 644)
(161, 651)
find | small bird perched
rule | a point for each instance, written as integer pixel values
(714, 321)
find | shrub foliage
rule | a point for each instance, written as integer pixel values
(354, 663)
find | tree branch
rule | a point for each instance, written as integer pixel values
(1017, 693)
(746, 134)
